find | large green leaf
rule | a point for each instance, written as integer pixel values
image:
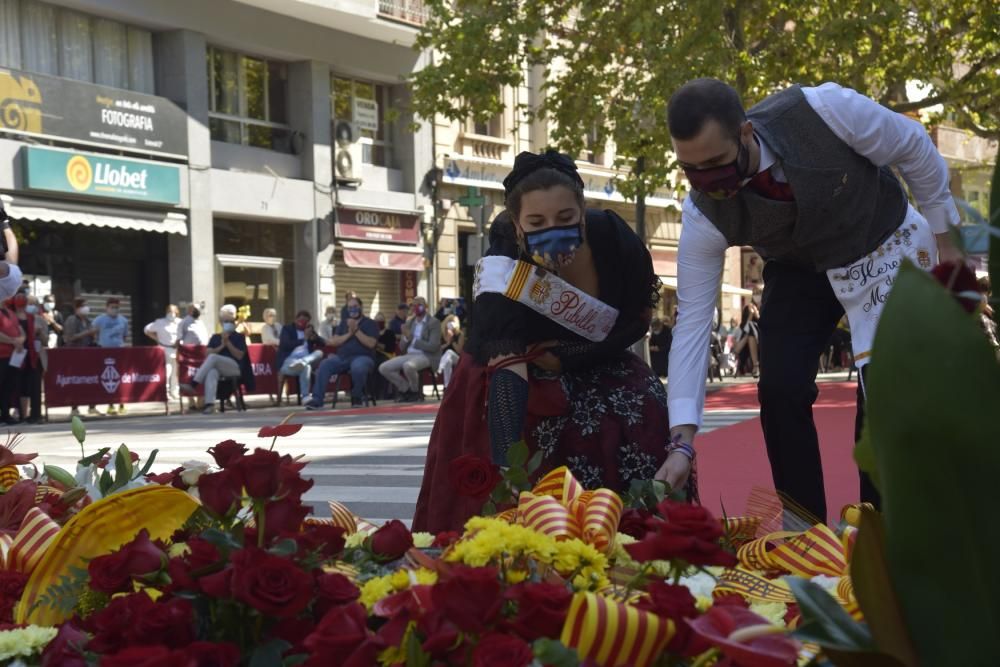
(932, 389)
(873, 589)
(825, 622)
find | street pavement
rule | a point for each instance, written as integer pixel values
(370, 459)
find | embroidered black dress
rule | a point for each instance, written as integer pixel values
(604, 416)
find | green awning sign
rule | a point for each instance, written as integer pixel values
(98, 176)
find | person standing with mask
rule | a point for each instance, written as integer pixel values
(111, 328)
(79, 331)
(29, 372)
(805, 178)
(164, 333)
(53, 321)
(422, 349)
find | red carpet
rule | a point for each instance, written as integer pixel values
(733, 460)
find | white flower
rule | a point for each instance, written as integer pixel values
(701, 584)
(828, 583)
(25, 641)
(192, 471)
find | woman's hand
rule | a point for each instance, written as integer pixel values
(675, 471)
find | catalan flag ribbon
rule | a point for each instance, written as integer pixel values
(611, 633)
(37, 533)
(559, 507)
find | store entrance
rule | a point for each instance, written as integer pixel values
(245, 280)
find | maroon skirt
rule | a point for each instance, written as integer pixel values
(608, 424)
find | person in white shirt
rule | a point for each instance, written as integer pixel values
(805, 178)
(270, 333)
(191, 330)
(164, 333)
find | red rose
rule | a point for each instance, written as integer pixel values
(279, 431)
(261, 473)
(341, 632)
(328, 540)
(496, 650)
(473, 476)
(290, 480)
(334, 589)
(219, 491)
(167, 478)
(470, 597)
(718, 623)
(113, 572)
(283, 516)
(440, 634)
(687, 532)
(541, 610)
(147, 656)
(112, 627)
(184, 570)
(391, 541)
(445, 539)
(209, 654)
(294, 631)
(170, 623)
(677, 604)
(11, 587)
(66, 650)
(634, 522)
(961, 281)
(270, 584)
(218, 584)
(227, 453)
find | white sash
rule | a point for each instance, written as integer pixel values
(546, 294)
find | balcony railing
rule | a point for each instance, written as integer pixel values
(410, 12)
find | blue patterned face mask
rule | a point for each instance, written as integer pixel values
(554, 247)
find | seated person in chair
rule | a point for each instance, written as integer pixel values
(226, 357)
(355, 340)
(299, 347)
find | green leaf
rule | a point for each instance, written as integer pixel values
(553, 653)
(873, 589)
(105, 482)
(518, 477)
(221, 539)
(72, 495)
(415, 654)
(285, 547)
(57, 474)
(269, 654)
(935, 448)
(517, 455)
(123, 468)
(78, 429)
(489, 508)
(864, 455)
(94, 458)
(148, 464)
(534, 462)
(825, 622)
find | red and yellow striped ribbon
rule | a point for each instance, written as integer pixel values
(741, 529)
(9, 476)
(98, 529)
(518, 279)
(612, 633)
(343, 517)
(751, 584)
(559, 507)
(37, 533)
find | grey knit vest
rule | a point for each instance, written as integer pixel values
(844, 206)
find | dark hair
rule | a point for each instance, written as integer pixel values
(746, 316)
(545, 178)
(195, 311)
(303, 313)
(114, 301)
(79, 302)
(361, 304)
(701, 100)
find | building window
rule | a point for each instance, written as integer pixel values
(491, 128)
(39, 37)
(347, 98)
(594, 147)
(248, 100)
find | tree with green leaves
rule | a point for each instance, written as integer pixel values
(613, 64)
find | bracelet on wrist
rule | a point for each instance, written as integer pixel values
(685, 448)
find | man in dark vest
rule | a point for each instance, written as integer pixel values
(804, 178)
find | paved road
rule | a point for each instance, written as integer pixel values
(372, 460)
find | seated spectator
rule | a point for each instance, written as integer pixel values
(299, 348)
(270, 333)
(355, 340)
(328, 327)
(347, 299)
(422, 349)
(451, 347)
(111, 329)
(399, 319)
(227, 357)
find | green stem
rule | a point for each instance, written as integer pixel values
(273, 441)
(258, 510)
(705, 658)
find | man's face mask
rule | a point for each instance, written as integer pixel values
(723, 181)
(354, 312)
(554, 247)
(419, 309)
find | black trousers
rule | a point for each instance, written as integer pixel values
(798, 313)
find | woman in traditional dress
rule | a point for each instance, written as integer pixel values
(559, 297)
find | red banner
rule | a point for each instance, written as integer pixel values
(262, 359)
(95, 375)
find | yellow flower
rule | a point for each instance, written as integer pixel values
(178, 549)
(355, 540)
(772, 611)
(374, 590)
(378, 588)
(516, 576)
(25, 642)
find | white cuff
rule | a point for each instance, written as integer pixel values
(684, 411)
(941, 216)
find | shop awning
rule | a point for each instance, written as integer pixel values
(379, 256)
(74, 213)
(670, 282)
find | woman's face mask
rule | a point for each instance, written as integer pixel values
(31, 309)
(228, 327)
(83, 310)
(723, 181)
(554, 247)
(49, 306)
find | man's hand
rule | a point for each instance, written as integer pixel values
(352, 326)
(948, 251)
